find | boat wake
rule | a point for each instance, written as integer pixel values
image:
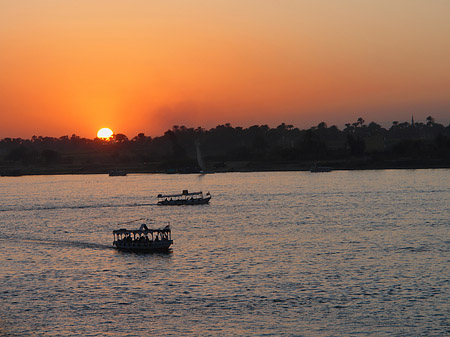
(51, 208)
(59, 243)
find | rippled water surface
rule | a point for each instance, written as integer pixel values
(274, 254)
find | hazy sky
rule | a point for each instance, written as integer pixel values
(74, 66)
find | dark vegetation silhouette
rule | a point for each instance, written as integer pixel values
(227, 148)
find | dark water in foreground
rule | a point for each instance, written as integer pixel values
(274, 254)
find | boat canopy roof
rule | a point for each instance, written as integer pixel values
(142, 230)
(185, 193)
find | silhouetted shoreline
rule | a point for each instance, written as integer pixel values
(225, 148)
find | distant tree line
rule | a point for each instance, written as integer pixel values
(176, 150)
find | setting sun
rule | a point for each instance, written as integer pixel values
(104, 133)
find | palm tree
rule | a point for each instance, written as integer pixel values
(360, 121)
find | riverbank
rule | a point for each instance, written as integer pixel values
(231, 166)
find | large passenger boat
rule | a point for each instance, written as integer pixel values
(143, 240)
(185, 198)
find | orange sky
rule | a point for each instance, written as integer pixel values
(75, 66)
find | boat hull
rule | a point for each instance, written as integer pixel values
(198, 201)
(144, 247)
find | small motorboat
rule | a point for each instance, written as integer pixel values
(185, 198)
(143, 240)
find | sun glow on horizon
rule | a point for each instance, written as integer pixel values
(105, 133)
(71, 65)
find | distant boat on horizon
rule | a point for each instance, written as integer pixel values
(315, 169)
(117, 173)
(11, 173)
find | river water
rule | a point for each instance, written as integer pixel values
(274, 254)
